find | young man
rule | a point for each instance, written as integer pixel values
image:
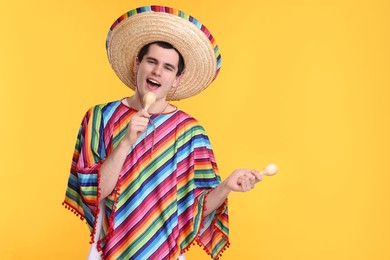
(146, 181)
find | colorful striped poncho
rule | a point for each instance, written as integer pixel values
(156, 209)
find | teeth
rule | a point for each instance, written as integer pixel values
(154, 82)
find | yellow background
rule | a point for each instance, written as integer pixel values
(304, 84)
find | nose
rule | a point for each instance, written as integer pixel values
(157, 70)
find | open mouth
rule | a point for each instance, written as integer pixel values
(153, 83)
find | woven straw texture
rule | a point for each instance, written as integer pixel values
(133, 30)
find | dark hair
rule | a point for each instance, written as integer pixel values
(164, 45)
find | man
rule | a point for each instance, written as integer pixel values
(146, 181)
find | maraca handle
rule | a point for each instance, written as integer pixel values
(147, 106)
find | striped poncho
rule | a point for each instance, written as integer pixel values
(156, 209)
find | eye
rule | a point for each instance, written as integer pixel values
(169, 68)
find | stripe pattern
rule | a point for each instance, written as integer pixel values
(169, 10)
(156, 209)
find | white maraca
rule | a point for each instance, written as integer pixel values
(149, 99)
(269, 170)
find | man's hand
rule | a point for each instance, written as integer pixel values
(242, 180)
(137, 125)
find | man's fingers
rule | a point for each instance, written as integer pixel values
(246, 179)
(139, 121)
(144, 113)
(257, 175)
(245, 183)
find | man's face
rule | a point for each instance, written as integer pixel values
(157, 71)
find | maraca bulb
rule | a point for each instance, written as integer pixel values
(149, 99)
(270, 169)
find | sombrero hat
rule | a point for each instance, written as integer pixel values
(140, 26)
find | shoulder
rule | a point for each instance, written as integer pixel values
(106, 109)
(188, 123)
(103, 113)
(106, 106)
(185, 117)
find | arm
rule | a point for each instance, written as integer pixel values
(110, 169)
(241, 180)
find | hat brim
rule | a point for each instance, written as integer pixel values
(201, 55)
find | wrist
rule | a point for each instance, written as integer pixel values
(125, 144)
(224, 188)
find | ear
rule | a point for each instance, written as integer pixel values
(135, 65)
(176, 82)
